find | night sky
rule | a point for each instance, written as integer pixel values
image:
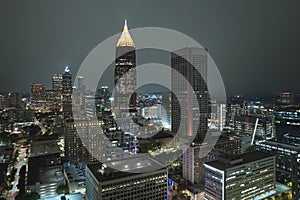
(255, 43)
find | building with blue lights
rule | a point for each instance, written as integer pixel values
(287, 163)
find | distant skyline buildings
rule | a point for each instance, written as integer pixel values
(118, 132)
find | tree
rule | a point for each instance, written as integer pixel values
(63, 189)
(32, 196)
(250, 149)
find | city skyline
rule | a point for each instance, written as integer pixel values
(262, 41)
(99, 133)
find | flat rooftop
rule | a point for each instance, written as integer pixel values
(229, 162)
(44, 148)
(74, 173)
(124, 167)
(282, 145)
(51, 175)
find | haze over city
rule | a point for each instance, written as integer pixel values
(255, 44)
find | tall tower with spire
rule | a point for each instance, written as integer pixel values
(125, 73)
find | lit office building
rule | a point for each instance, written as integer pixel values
(86, 142)
(57, 82)
(104, 182)
(79, 93)
(243, 177)
(166, 109)
(152, 112)
(193, 161)
(75, 151)
(287, 163)
(189, 114)
(235, 107)
(37, 92)
(217, 116)
(125, 74)
(245, 124)
(12, 99)
(57, 87)
(2, 101)
(286, 98)
(103, 93)
(287, 120)
(67, 92)
(293, 139)
(193, 164)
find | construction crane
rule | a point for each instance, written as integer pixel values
(255, 127)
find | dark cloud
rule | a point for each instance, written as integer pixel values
(254, 43)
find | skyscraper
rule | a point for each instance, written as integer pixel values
(189, 113)
(13, 99)
(56, 92)
(193, 161)
(57, 82)
(166, 109)
(75, 150)
(125, 73)
(37, 92)
(67, 92)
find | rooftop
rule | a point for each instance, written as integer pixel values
(44, 148)
(229, 162)
(282, 145)
(51, 175)
(123, 168)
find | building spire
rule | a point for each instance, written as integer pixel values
(125, 24)
(125, 39)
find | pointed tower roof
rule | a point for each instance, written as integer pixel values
(125, 39)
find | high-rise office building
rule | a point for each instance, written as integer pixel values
(57, 87)
(125, 73)
(57, 82)
(85, 141)
(244, 177)
(37, 92)
(217, 116)
(2, 101)
(104, 182)
(286, 98)
(193, 161)
(103, 93)
(79, 98)
(13, 99)
(287, 163)
(75, 150)
(189, 115)
(166, 103)
(67, 92)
